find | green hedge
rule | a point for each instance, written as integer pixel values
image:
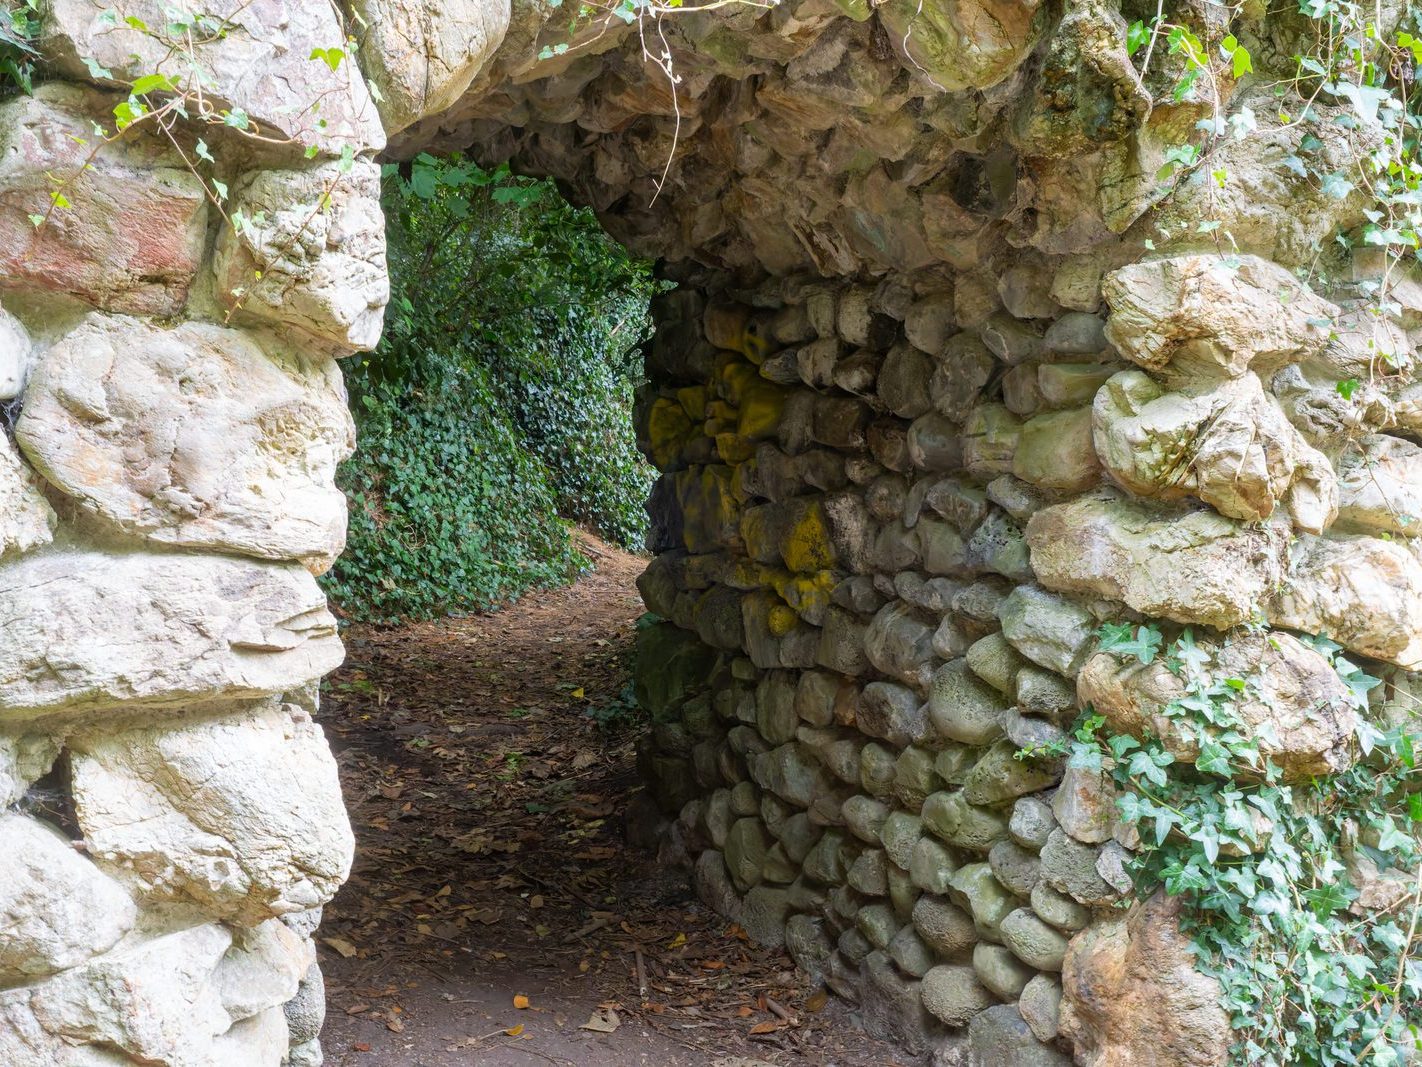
(498, 406)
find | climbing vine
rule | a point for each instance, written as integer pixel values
(1303, 899)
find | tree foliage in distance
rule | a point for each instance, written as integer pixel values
(498, 405)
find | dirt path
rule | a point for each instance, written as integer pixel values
(487, 763)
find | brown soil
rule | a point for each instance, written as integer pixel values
(496, 914)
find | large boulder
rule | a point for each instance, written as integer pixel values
(421, 56)
(310, 253)
(87, 630)
(57, 909)
(1363, 592)
(268, 63)
(1189, 566)
(1133, 998)
(241, 815)
(1224, 442)
(196, 436)
(132, 238)
(150, 1002)
(1203, 315)
(1294, 702)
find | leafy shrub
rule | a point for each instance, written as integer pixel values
(499, 402)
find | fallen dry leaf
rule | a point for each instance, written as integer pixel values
(514, 1031)
(520, 1001)
(341, 945)
(603, 1021)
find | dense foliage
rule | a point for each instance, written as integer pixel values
(499, 402)
(1271, 871)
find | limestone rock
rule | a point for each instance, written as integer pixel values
(242, 815)
(1223, 442)
(1055, 451)
(1000, 1037)
(144, 215)
(259, 65)
(26, 519)
(24, 759)
(1040, 1007)
(16, 356)
(422, 56)
(1048, 629)
(1363, 592)
(953, 994)
(154, 1001)
(262, 969)
(56, 908)
(87, 629)
(1190, 566)
(1380, 487)
(1199, 315)
(197, 436)
(964, 43)
(313, 254)
(1133, 998)
(1295, 702)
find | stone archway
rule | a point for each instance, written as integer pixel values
(952, 375)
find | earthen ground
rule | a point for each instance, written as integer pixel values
(492, 863)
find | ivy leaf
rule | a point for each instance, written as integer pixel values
(1144, 644)
(330, 56)
(1347, 387)
(1136, 37)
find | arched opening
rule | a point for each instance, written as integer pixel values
(1036, 592)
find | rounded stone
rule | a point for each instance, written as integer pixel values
(953, 993)
(1001, 971)
(1033, 941)
(944, 927)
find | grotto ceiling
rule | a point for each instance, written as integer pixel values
(961, 365)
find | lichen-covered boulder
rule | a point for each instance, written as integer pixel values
(240, 814)
(310, 253)
(1132, 996)
(197, 436)
(1203, 315)
(87, 630)
(1294, 702)
(132, 238)
(1189, 566)
(261, 65)
(961, 44)
(1223, 441)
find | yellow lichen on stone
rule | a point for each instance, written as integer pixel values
(808, 594)
(733, 448)
(710, 514)
(692, 399)
(782, 620)
(807, 546)
(760, 408)
(668, 431)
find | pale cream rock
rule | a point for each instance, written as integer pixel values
(1198, 315)
(261, 64)
(423, 54)
(87, 630)
(196, 436)
(1380, 486)
(241, 815)
(311, 253)
(56, 908)
(1294, 701)
(132, 238)
(1189, 566)
(16, 356)
(1222, 441)
(26, 519)
(1363, 592)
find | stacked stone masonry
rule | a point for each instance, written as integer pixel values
(951, 376)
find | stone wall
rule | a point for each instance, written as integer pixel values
(954, 373)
